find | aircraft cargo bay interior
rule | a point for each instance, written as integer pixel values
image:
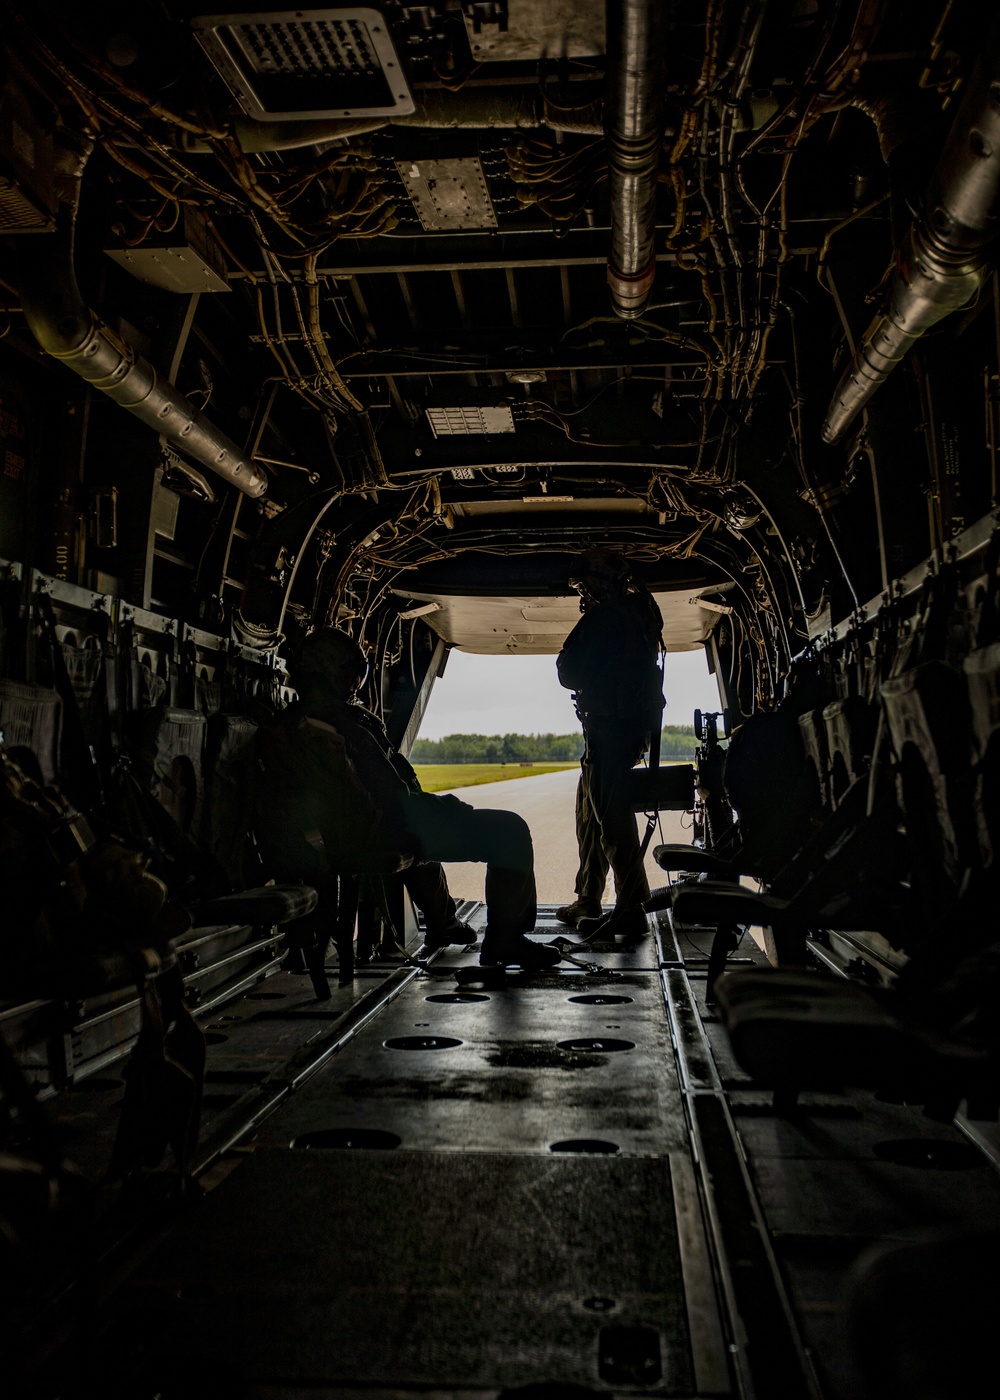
(337, 342)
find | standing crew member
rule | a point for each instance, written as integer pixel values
(336, 785)
(609, 662)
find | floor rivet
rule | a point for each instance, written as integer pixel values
(421, 1042)
(605, 1045)
(930, 1154)
(340, 1138)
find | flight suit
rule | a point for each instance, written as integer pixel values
(609, 661)
(374, 803)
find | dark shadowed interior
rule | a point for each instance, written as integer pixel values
(378, 318)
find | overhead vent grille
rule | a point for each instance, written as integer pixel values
(19, 212)
(27, 191)
(451, 422)
(290, 65)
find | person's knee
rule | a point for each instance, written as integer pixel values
(509, 840)
(518, 830)
(517, 840)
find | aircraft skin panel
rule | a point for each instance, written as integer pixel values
(493, 626)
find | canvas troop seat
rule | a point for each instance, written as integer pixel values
(982, 676)
(767, 754)
(230, 792)
(982, 673)
(794, 1029)
(815, 743)
(927, 711)
(168, 747)
(31, 717)
(851, 726)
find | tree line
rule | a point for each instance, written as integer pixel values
(677, 742)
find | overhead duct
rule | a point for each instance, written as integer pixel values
(475, 109)
(633, 132)
(66, 328)
(941, 263)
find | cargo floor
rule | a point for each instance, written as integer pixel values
(507, 1211)
(564, 1183)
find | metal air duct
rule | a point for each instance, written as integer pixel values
(484, 109)
(633, 132)
(941, 264)
(66, 328)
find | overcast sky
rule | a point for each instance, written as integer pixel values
(520, 695)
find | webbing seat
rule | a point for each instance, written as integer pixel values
(272, 904)
(678, 856)
(794, 1029)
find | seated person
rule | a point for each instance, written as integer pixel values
(354, 796)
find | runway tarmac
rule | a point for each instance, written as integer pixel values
(547, 804)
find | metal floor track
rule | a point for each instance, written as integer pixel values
(471, 1192)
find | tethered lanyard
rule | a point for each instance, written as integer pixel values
(654, 758)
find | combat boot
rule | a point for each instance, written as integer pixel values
(628, 924)
(515, 950)
(455, 932)
(581, 908)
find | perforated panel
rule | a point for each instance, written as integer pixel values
(451, 421)
(308, 46)
(293, 64)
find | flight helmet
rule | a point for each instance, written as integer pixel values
(330, 660)
(599, 574)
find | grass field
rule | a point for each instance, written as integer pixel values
(440, 777)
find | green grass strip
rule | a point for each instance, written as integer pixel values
(442, 777)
